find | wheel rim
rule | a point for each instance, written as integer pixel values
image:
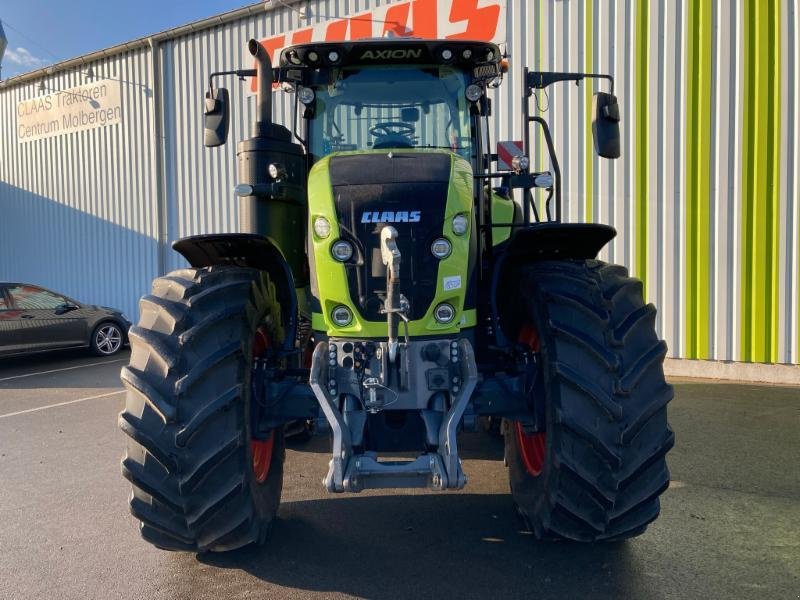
(532, 447)
(108, 339)
(261, 450)
(262, 457)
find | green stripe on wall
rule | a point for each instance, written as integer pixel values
(698, 179)
(642, 102)
(761, 180)
(588, 66)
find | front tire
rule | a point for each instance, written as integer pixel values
(597, 471)
(198, 481)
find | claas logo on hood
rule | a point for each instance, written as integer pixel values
(390, 216)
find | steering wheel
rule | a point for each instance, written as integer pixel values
(391, 129)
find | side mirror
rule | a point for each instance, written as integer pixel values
(605, 125)
(65, 308)
(216, 117)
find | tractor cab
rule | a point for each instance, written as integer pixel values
(390, 94)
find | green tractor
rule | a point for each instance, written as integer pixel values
(388, 292)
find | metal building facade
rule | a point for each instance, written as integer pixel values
(705, 198)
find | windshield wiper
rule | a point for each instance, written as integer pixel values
(444, 147)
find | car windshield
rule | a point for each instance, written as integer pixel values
(397, 107)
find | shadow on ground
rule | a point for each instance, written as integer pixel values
(62, 369)
(453, 545)
(477, 446)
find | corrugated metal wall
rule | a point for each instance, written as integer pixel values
(705, 198)
(78, 212)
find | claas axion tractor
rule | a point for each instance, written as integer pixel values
(386, 290)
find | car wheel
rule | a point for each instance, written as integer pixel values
(107, 339)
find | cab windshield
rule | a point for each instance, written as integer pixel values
(398, 107)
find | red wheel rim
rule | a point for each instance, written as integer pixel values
(261, 449)
(262, 457)
(532, 447)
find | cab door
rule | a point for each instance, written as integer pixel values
(46, 319)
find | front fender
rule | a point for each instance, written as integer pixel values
(535, 242)
(246, 250)
(554, 241)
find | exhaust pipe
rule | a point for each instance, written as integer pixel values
(264, 98)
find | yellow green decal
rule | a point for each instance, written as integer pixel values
(761, 180)
(698, 185)
(642, 102)
(589, 67)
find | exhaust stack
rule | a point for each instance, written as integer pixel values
(265, 79)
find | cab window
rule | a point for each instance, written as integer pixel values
(399, 107)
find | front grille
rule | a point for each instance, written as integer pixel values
(405, 183)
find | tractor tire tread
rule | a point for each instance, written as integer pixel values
(607, 435)
(188, 453)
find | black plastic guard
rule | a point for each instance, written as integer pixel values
(549, 241)
(246, 250)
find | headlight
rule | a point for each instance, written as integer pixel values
(277, 171)
(342, 251)
(341, 315)
(306, 95)
(444, 313)
(460, 224)
(473, 92)
(441, 248)
(520, 163)
(322, 227)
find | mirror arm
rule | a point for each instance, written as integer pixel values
(541, 79)
(239, 73)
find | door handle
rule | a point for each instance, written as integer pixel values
(27, 316)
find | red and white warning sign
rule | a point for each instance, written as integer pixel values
(477, 20)
(506, 151)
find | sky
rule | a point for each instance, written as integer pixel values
(42, 32)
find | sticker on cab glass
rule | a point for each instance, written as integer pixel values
(451, 283)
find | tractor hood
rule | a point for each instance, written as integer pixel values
(416, 192)
(407, 191)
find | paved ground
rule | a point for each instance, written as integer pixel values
(730, 526)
